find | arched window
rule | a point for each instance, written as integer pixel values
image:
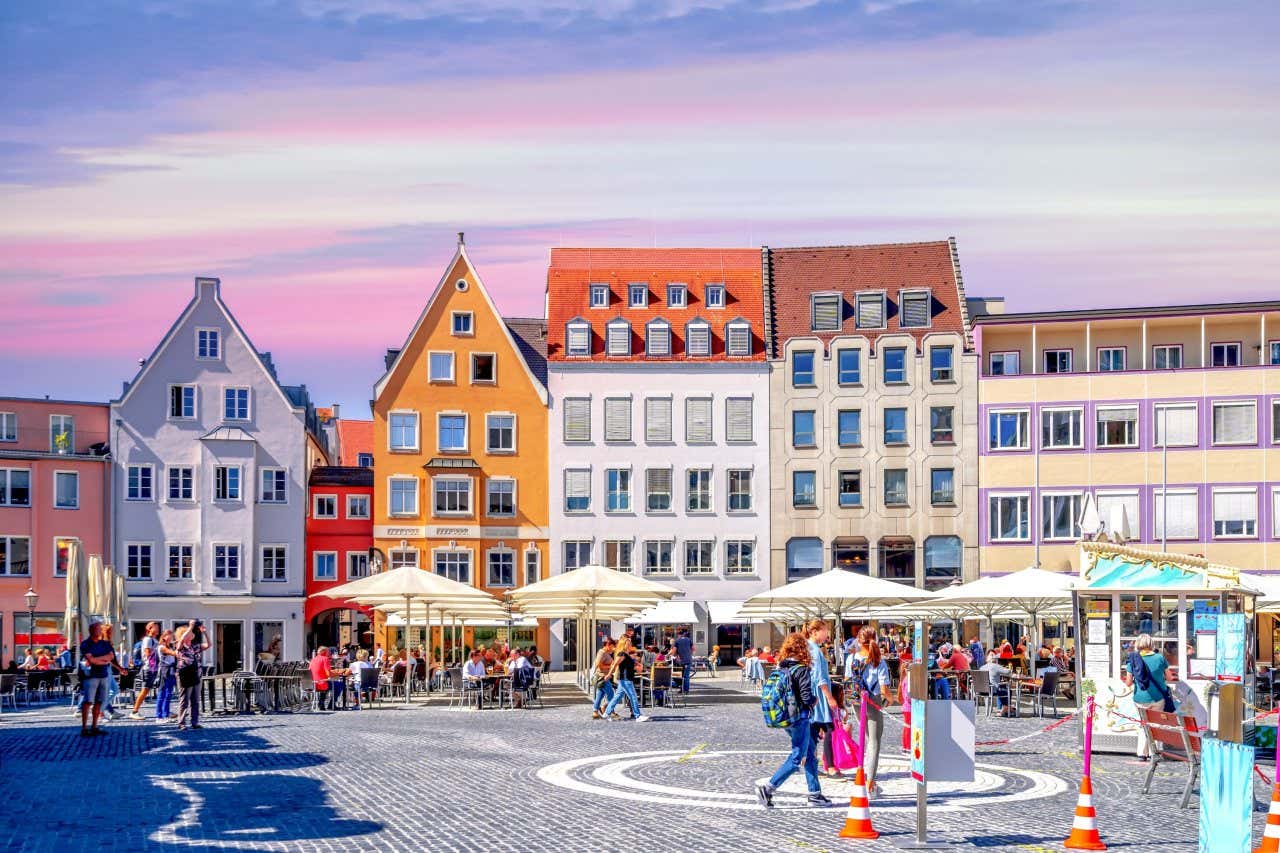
(618, 338)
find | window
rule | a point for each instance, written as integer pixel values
(942, 559)
(739, 557)
(137, 561)
(440, 367)
(235, 404)
(802, 429)
(61, 552)
(452, 495)
(484, 368)
(1003, 364)
(802, 375)
(804, 489)
(1110, 504)
(66, 490)
(617, 419)
(226, 483)
(208, 343)
(274, 490)
(15, 487)
(804, 557)
(1166, 356)
(357, 506)
(182, 402)
(463, 323)
(1008, 430)
(62, 434)
(849, 427)
(715, 296)
(532, 566)
(1181, 509)
(697, 556)
(274, 563)
(501, 567)
(657, 557)
(324, 506)
(577, 419)
(1225, 355)
(1118, 426)
(452, 433)
(1058, 360)
(739, 419)
(895, 366)
(364, 460)
(698, 492)
(916, 313)
(657, 420)
(401, 557)
(825, 311)
(599, 296)
(1111, 359)
(500, 433)
(500, 498)
(1009, 518)
(1060, 516)
(181, 562)
(404, 496)
(577, 337)
(577, 490)
(576, 555)
(1235, 422)
(657, 487)
(8, 426)
(697, 420)
(941, 364)
(942, 425)
(617, 483)
(737, 339)
(697, 336)
(137, 483)
(15, 555)
(226, 562)
(1061, 429)
(404, 430)
(1235, 513)
(454, 565)
(617, 335)
(739, 490)
(658, 339)
(942, 486)
(357, 564)
(1274, 353)
(895, 487)
(1179, 421)
(869, 311)
(895, 426)
(849, 366)
(850, 489)
(617, 555)
(677, 296)
(638, 296)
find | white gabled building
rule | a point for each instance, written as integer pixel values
(659, 434)
(212, 456)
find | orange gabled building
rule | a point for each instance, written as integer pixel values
(460, 449)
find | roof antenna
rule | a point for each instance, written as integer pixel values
(461, 238)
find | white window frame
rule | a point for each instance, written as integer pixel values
(578, 546)
(632, 289)
(585, 421)
(1253, 423)
(1226, 346)
(1045, 517)
(453, 367)
(1157, 513)
(488, 491)
(660, 326)
(731, 329)
(1213, 507)
(1156, 349)
(470, 317)
(368, 507)
(351, 572)
(869, 295)
(710, 435)
(213, 561)
(649, 429)
(917, 292)
(1057, 353)
(613, 328)
(596, 289)
(679, 290)
(574, 328)
(1158, 421)
(670, 493)
(76, 476)
(6, 564)
(415, 491)
(186, 561)
(494, 362)
(735, 473)
(993, 526)
(583, 477)
(128, 558)
(315, 506)
(626, 499)
(705, 476)
(168, 482)
(417, 431)
(702, 327)
(239, 478)
(617, 436)
(315, 565)
(1024, 429)
(825, 297)
(616, 564)
(1124, 359)
(706, 547)
(8, 426)
(248, 403)
(1077, 427)
(151, 478)
(1005, 357)
(68, 428)
(500, 550)
(401, 557)
(1097, 426)
(262, 562)
(441, 479)
(531, 564)
(733, 563)
(217, 337)
(58, 540)
(195, 402)
(1128, 495)
(709, 291)
(505, 451)
(731, 437)
(466, 432)
(670, 550)
(277, 497)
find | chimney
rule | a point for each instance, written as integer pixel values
(206, 286)
(337, 411)
(461, 240)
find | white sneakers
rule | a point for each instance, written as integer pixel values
(136, 716)
(643, 718)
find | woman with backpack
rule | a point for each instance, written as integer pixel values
(866, 670)
(149, 667)
(790, 686)
(1150, 692)
(623, 672)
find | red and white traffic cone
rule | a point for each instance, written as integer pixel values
(1271, 833)
(857, 822)
(1084, 829)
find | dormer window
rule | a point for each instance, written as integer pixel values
(677, 296)
(618, 338)
(577, 337)
(870, 311)
(824, 312)
(599, 296)
(208, 343)
(638, 296)
(698, 339)
(715, 296)
(916, 313)
(658, 339)
(737, 336)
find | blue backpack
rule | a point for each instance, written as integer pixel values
(778, 701)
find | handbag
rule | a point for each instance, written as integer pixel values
(845, 753)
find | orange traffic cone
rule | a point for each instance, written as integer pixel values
(857, 822)
(1084, 829)
(1271, 834)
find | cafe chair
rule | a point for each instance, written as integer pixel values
(1047, 692)
(660, 681)
(396, 687)
(980, 689)
(368, 684)
(8, 691)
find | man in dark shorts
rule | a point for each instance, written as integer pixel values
(98, 654)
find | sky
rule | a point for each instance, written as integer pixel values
(320, 155)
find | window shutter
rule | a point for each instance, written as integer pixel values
(658, 480)
(619, 339)
(738, 419)
(1129, 500)
(1235, 506)
(697, 419)
(870, 311)
(577, 419)
(657, 419)
(579, 339)
(915, 311)
(1182, 513)
(1181, 425)
(738, 339)
(659, 339)
(826, 312)
(698, 339)
(577, 483)
(617, 419)
(1235, 423)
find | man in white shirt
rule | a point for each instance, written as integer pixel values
(473, 676)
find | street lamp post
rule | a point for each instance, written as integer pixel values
(32, 598)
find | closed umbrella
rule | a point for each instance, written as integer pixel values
(94, 591)
(74, 624)
(121, 602)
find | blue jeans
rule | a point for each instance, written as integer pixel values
(164, 698)
(685, 677)
(942, 688)
(113, 688)
(628, 689)
(604, 693)
(803, 747)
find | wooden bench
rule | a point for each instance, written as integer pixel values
(1173, 738)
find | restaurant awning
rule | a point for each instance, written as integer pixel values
(668, 613)
(724, 612)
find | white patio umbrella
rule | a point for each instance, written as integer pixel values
(74, 623)
(94, 592)
(120, 606)
(1268, 587)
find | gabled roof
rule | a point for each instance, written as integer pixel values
(354, 438)
(341, 475)
(531, 337)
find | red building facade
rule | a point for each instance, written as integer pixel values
(339, 543)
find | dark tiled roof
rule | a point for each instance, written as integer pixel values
(531, 337)
(333, 475)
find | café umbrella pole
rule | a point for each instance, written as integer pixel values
(408, 656)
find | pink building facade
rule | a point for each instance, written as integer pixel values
(53, 488)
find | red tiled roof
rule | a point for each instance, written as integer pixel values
(572, 271)
(324, 413)
(354, 438)
(798, 273)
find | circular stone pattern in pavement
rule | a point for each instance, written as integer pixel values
(725, 779)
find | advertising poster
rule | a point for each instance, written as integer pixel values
(919, 651)
(1231, 631)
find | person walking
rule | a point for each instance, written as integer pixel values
(149, 669)
(867, 672)
(795, 666)
(600, 670)
(167, 652)
(623, 671)
(1146, 669)
(192, 645)
(684, 651)
(818, 634)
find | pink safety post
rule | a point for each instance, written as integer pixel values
(862, 731)
(1088, 735)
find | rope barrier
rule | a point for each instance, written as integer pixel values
(1055, 724)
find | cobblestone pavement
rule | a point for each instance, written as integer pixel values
(439, 779)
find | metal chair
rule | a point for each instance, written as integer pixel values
(1046, 692)
(1173, 739)
(661, 680)
(980, 688)
(8, 691)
